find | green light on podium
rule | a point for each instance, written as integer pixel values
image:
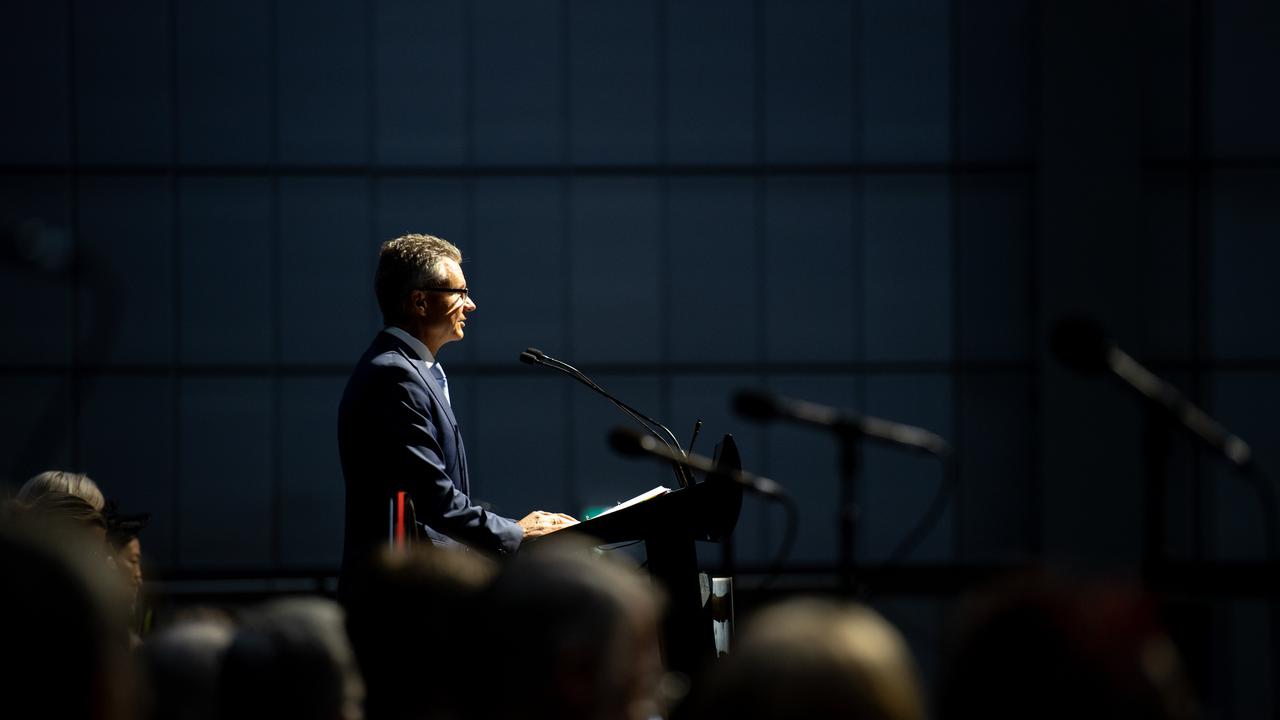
(592, 511)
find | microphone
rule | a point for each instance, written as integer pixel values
(534, 356)
(1081, 344)
(764, 406)
(633, 443)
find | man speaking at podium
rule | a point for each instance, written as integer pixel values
(396, 430)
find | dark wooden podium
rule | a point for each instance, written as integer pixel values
(669, 525)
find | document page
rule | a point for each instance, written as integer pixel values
(660, 490)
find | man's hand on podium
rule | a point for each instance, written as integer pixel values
(539, 523)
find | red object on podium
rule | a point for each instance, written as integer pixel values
(399, 526)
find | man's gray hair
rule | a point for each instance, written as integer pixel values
(408, 263)
(72, 483)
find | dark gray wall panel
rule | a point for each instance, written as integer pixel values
(1244, 110)
(898, 485)
(808, 81)
(711, 87)
(38, 277)
(126, 275)
(994, 85)
(907, 252)
(615, 270)
(226, 271)
(519, 82)
(312, 495)
(128, 445)
(713, 261)
(517, 268)
(38, 435)
(516, 447)
(812, 274)
(995, 506)
(324, 102)
(226, 82)
(1244, 227)
(993, 249)
(420, 82)
(323, 278)
(35, 72)
(1242, 670)
(904, 61)
(1171, 277)
(123, 81)
(613, 89)
(1168, 76)
(225, 465)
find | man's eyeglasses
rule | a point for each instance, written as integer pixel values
(461, 291)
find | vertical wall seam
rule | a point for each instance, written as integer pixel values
(956, 183)
(72, 377)
(174, 370)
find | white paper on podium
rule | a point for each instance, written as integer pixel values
(660, 490)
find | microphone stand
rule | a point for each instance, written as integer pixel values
(850, 464)
(1156, 431)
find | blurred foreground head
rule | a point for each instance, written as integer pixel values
(66, 520)
(181, 663)
(77, 484)
(291, 659)
(1033, 647)
(417, 605)
(811, 658)
(582, 630)
(65, 649)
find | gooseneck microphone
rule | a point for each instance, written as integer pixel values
(633, 443)
(1082, 345)
(534, 356)
(761, 405)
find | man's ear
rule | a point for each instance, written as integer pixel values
(417, 304)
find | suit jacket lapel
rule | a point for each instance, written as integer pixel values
(418, 365)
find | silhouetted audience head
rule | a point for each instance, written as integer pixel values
(417, 602)
(67, 520)
(582, 631)
(67, 653)
(181, 664)
(77, 484)
(1033, 647)
(810, 658)
(291, 659)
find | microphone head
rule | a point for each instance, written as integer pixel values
(528, 358)
(1080, 343)
(535, 352)
(756, 404)
(631, 443)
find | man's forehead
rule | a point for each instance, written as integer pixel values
(452, 270)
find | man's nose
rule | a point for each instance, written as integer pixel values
(470, 304)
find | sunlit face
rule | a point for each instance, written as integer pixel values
(444, 314)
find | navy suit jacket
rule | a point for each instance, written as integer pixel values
(396, 431)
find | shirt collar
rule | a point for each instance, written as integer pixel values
(423, 353)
